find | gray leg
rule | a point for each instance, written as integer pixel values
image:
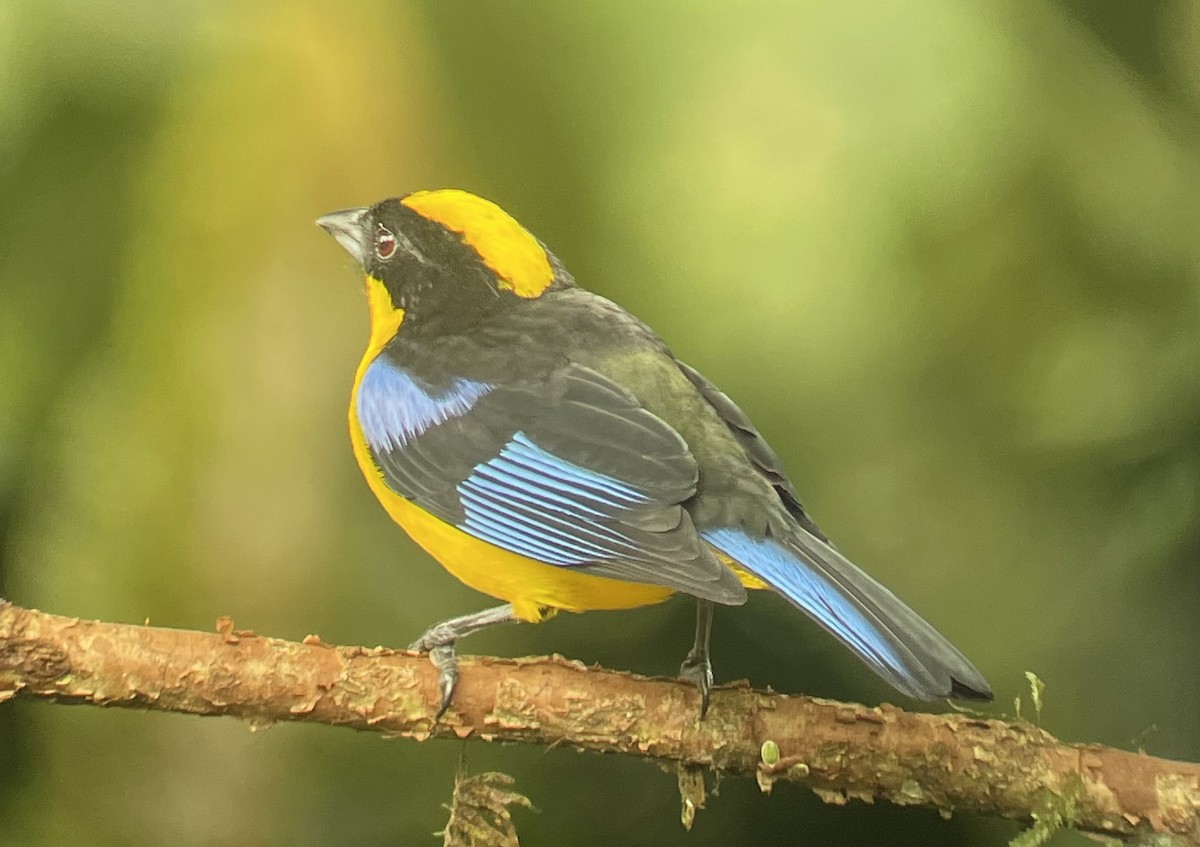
(697, 666)
(438, 642)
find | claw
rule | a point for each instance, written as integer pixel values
(444, 660)
(698, 669)
(441, 656)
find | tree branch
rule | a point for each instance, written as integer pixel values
(953, 762)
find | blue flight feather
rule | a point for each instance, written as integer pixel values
(554, 496)
(393, 408)
(530, 501)
(552, 535)
(789, 574)
(522, 450)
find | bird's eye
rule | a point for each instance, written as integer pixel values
(385, 243)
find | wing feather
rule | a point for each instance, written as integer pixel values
(567, 469)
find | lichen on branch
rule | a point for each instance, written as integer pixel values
(950, 762)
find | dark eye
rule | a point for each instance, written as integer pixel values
(385, 243)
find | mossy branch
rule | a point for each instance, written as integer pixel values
(952, 762)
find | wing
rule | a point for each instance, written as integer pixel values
(566, 468)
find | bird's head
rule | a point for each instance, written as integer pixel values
(440, 260)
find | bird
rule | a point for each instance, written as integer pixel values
(550, 450)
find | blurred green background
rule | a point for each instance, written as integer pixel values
(945, 253)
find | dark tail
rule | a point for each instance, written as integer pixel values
(885, 633)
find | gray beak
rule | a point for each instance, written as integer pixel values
(346, 226)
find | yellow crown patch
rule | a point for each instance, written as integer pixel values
(503, 244)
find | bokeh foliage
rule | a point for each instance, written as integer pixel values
(947, 255)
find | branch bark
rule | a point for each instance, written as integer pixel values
(952, 762)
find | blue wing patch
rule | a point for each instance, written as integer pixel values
(531, 502)
(567, 470)
(789, 574)
(393, 408)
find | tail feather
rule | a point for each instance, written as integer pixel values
(891, 638)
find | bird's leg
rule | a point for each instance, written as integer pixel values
(438, 642)
(697, 667)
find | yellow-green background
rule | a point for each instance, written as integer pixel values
(945, 253)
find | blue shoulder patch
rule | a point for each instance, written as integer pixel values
(795, 579)
(393, 408)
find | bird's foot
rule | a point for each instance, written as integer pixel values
(441, 656)
(697, 668)
(438, 641)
